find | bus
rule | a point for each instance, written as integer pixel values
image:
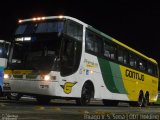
(61, 57)
(4, 51)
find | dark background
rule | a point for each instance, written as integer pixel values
(133, 23)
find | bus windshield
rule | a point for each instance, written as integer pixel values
(35, 52)
(40, 27)
(47, 45)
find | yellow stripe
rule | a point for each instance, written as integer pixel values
(133, 50)
(18, 72)
(8, 72)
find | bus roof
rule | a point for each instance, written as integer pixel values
(92, 28)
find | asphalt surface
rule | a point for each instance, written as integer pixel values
(29, 109)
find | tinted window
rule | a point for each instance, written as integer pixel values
(93, 43)
(132, 60)
(74, 30)
(142, 64)
(109, 50)
(45, 27)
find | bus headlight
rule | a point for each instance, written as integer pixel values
(47, 77)
(6, 76)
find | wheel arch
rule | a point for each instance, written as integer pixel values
(141, 93)
(90, 83)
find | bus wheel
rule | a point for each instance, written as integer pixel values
(140, 102)
(43, 99)
(14, 96)
(86, 95)
(110, 102)
(146, 100)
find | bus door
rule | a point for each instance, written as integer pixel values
(70, 56)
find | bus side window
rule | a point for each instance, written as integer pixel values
(126, 57)
(141, 65)
(132, 60)
(149, 68)
(93, 43)
(109, 50)
(74, 30)
(89, 41)
(120, 55)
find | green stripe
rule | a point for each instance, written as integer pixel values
(107, 75)
(117, 77)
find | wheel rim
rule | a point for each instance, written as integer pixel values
(86, 96)
(140, 101)
(146, 100)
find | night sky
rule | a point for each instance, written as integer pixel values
(133, 23)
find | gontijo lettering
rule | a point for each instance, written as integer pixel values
(134, 75)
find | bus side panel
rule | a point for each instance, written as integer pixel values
(134, 81)
(112, 78)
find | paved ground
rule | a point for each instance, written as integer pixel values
(29, 109)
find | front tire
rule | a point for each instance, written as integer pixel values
(14, 96)
(86, 95)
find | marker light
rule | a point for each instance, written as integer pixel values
(38, 18)
(61, 16)
(21, 39)
(6, 76)
(20, 21)
(43, 18)
(27, 38)
(47, 77)
(34, 19)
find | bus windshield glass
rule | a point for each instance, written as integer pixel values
(37, 52)
(40, 27)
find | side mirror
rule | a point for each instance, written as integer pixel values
(3, 62)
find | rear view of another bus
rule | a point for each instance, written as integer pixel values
(4, 48)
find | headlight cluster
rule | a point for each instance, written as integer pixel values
(48, 77)
(45, 77)
(6, 76)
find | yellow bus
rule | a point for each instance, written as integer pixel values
(63, 57)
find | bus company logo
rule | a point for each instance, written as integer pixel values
(134, 75)
(90, 64)
(67, 87)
